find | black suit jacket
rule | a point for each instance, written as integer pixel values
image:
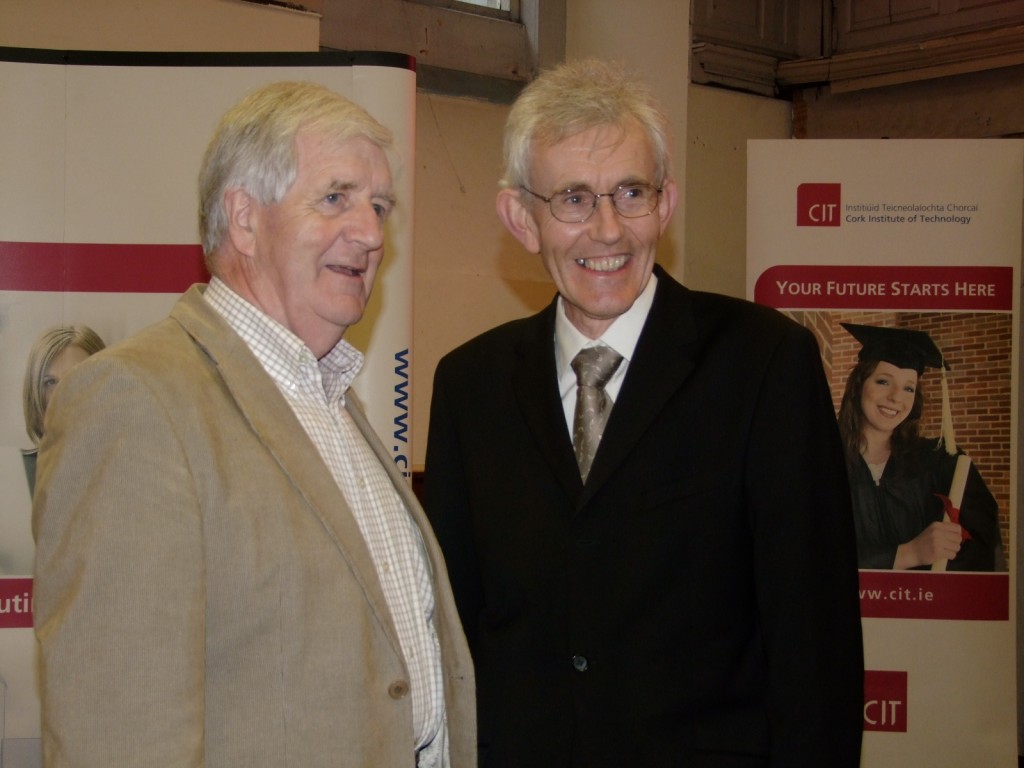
(695, 603)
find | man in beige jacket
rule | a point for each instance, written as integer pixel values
(230, 570)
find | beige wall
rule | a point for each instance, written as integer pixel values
(719, 122)
(469, 273)
(156, 25)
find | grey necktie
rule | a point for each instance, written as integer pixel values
(593, 366)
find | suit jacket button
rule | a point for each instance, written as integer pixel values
(580, 663)
(398, 689)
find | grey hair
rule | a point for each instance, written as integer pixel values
(253, 147)
(574, 97)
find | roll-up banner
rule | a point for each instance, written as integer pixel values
(99, 157)
(901, 256)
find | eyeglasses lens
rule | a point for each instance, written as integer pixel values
(630, 201)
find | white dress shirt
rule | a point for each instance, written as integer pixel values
(622, 336)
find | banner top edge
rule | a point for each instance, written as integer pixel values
(322, 58)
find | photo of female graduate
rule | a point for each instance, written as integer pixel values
(918, 501)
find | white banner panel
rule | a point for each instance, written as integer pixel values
(913, 237)
(100, 153)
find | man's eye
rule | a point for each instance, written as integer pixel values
(382, 210)
(334, 198)
(575, 199)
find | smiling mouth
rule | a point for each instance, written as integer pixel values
(889, 412)
(603, 263)
(343, 270)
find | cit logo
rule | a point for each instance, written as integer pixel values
(885, 701)
(817, 205)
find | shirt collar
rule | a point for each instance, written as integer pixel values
(622, 335)
(284, 356)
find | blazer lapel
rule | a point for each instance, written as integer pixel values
(273, 421)
(457, 659)
(535, 384)
(401, 485)
(660, 364)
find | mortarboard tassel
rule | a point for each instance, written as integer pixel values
(947, 437)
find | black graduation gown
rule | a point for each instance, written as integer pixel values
(904, 503)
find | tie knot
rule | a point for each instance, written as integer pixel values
(594, 366)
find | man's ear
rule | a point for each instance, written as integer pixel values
(667, 203)
(518, 219)
(242, 212)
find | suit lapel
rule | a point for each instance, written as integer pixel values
(273, 421)
(660, 364)
(535, 384)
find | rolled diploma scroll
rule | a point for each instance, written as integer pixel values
(956, 495)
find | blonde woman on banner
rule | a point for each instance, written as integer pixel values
(52, 356)
(918, 502)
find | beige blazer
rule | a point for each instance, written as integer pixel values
(203, 595)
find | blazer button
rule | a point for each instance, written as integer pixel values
(398, 689)
(580, 663)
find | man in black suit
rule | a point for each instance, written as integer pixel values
(690, 597)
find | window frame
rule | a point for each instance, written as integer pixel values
(458, 52)
(466, 6)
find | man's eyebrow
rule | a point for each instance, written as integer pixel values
(626, 181)
(572, 186)
(340, 186)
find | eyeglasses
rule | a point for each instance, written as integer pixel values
(574, 206)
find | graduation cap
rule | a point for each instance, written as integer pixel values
(903, 347)
(906, 348)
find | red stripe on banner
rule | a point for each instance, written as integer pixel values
(97, 267)
(15, 603)
(957, 289)
(925, 595)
